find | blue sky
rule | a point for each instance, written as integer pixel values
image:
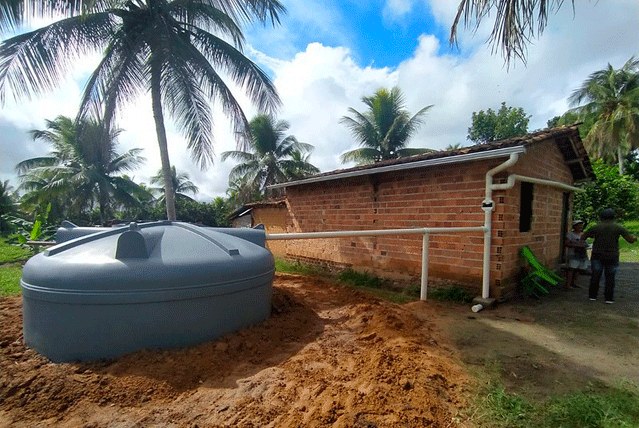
(326, 55)
(377, 34)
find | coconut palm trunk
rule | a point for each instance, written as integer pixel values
(160, 129)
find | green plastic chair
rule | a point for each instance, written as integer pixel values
(539, 278)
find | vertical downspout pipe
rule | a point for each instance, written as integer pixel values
(488, 206)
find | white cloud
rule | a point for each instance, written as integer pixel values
(318, 84)
(396, 9)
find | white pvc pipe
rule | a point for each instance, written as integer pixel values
(424, 231)
(488, 206)
(423, 292)
(514, 177)
(378, 232)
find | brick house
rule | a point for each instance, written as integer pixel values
(520, 189)
(272, 214)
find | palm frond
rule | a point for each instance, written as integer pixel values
(242, 71)
(37, 61)
(516, 22)
(187, 102)
(361, 156)
(117, 79)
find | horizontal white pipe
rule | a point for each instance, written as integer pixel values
(425, 231)
(489, 154)
(514, 177)
(347, 233)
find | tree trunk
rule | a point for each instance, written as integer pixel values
(620, 159)
(169, 192)
(103, 205)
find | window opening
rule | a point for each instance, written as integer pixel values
(525, 207)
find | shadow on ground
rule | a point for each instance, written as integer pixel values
(554, 345)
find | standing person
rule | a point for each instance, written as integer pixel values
(576, 254)
(605, 253)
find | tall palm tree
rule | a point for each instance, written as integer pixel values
(383, 130)
(173, 49)
(83, 169)
(268, 160)
(300, 166)
(516, 22)
(182, 184)
(612, 104)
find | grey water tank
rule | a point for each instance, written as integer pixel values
(154, 285)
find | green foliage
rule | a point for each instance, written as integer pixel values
(7, 204)
(272, 157)
(609, 407)
(214, 213)
(490, 126)
(295, 267)
(450, 294)
(37, 230)
(12, 253)
(609, 99)
(365, 282)
(631, 164)
(82, 173)
(182, 184)
(383, 131)
(629, 252)
(608, 190)
(10, 280)
(359, 279)
(175, 51)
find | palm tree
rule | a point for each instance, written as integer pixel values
(174, 49)
(182, 184)
(7, 204)
(83, 169)
(300, 166)
(384, 130)
(269, 160)
(612, 105)
(516, 22)
(242, 191)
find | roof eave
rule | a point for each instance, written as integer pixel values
(467, 157)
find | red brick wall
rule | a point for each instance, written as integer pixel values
(440, 196)
(541, 161)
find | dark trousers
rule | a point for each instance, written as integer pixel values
(609, 269)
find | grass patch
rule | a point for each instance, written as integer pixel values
(601, 408)
(13, 253)
(286, 266)
(629, 252)
(365, 282)
(359, 279)
(10, 280)
(377, 286)
(451, 294)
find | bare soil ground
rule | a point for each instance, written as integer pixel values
(559, 344)
(332, 356)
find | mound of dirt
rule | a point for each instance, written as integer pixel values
(328, 356)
